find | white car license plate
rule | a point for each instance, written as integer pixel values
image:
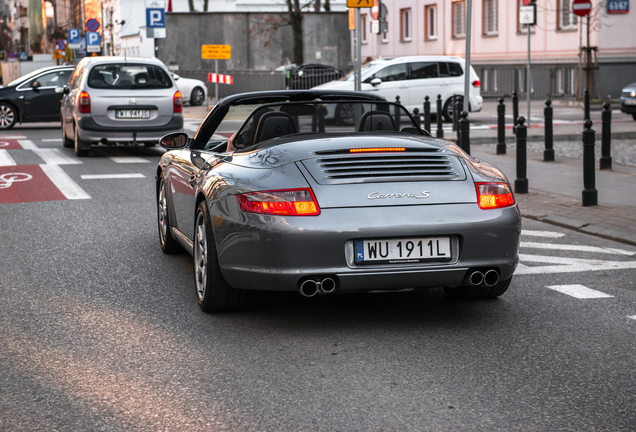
(132, 114)
(630, 101)
(398, 251)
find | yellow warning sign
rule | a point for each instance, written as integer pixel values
(352, 19)
(359, 3)
(216, 52)
(57, 55)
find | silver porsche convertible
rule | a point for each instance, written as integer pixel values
(268, 195)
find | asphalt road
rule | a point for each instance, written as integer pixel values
(100, 331)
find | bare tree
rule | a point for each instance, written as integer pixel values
(295, 19)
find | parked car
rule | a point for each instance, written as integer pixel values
(306, 76)
(414, 77)
(111, 100)
(32, 97)
(302, 205)
(193, 91)
(628, 100)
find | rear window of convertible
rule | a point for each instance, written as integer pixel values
(128, 76)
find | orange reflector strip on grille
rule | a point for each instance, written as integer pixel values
(377, 149)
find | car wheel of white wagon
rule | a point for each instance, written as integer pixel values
(478, 292)
(197, 96)
(168, 244)
(213, 292)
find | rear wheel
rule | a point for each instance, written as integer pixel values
(80, 146)
(66, 142)
(345, 114)
(168, 244)
(213, 292)
(8, 116)
(478, 292)
(197, 96)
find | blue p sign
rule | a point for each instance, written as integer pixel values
(155, 18)
(93, 42)
(74, 38)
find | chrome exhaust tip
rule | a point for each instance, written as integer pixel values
(308, 288)
(327, 285)
(491, 278)
(476, 278)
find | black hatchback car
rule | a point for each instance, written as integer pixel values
(32, 97)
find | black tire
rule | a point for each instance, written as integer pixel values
(150, 144)
(448, 110)
(478, 292)
(345, 114)
(66, 141)
(80, 146)
(168, 244)
(197, 97)
(634, 115)
(213, 292)
(8, 116)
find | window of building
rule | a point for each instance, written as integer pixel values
(405, 25)
(430, 22)
(566, 18)
(490, 17)
(363, 28)
(459, 18)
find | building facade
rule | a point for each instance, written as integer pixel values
(499, 44)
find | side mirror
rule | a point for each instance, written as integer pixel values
(61, 90)
(376, 82)
(175, 76)
(174, 140)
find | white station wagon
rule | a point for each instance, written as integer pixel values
(412, 78)
(111, 100)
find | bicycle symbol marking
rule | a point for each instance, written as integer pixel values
(4, 144)
(6, 180)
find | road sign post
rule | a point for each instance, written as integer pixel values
(357, 47)
(528, 17)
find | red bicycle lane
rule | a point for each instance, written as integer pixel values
(27, 183)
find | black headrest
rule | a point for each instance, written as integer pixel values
(376, 120)
(274, 124)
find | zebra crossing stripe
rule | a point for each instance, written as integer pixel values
(579, 291)
(6, 159)
(64, 183)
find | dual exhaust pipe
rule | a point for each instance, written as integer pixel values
(489, 278)
(311, 287)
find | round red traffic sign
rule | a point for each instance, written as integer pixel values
(92, 25)
(581, 7)
(375, 10)
(526, 2)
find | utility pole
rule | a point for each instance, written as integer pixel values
(467, 71)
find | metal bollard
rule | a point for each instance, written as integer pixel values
(427, 115)
(397, 113)
(548, 153)
(606, 137)
(515, 112)
(459, 107)
(440, 129)
(586, 105)
(521, 182)
(464, 129)
(590, 194)
(501, 127)
(416, 116)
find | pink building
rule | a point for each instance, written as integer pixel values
(499, 43)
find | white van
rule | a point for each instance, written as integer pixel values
(414, 77)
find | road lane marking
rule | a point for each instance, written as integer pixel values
(54, 156)
(64, 183)
(6, 159)
(579, 248)
(549, 234)
(52, 139)
(111, 176)
(27, 144)
(128, 159)
(632, 317)
(567, 265)
(12, 137)
(579, 291)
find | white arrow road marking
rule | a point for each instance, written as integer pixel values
(579, 291)
(112, 176)
(579, 248)
(64, 183)
(6, 159)
(568, 265)
(550, 234)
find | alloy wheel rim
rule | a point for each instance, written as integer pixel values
(6, 116)
(201, 257)
(197, 96)
(163, 213)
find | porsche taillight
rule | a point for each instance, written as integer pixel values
(84, 103)
(494, 195)
(177, 102)
(288, 202)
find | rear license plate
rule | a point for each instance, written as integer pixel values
(630, 101)
(403, 251)
(132, 114)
